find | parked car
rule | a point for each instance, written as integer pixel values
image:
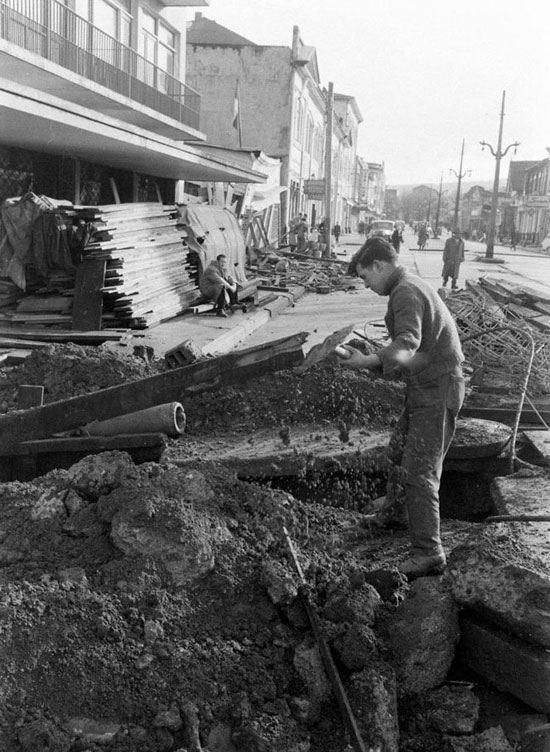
(383, 228)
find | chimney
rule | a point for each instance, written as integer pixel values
(198, 15)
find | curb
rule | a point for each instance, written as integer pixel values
(230, 339)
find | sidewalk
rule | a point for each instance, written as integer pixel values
(322, 314)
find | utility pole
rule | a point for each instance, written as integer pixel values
(328, 168)
(498, 154)
(429, 206)
(436, 228)
(459, 175)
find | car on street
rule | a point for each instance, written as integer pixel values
(382, 228)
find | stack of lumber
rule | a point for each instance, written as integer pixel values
(494, 317)
(148, 275)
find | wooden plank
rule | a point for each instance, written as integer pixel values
(114, 190)
(90, 444)
(175, 385)
(17, 344)
(51, 303)
(88, 298)
(59, 335)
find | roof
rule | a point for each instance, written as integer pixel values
(516, 174)
(206, 32)
(352, 103)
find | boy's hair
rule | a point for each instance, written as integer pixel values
(220, 256)
(374, 249)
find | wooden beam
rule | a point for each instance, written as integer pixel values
(175, 385)
(88, 298)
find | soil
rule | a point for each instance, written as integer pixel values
(155, 608)
(70, 370)
(165, 588)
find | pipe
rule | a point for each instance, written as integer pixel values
(168, 418)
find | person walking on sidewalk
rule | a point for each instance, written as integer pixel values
(336, 230)
(396, 239)
(216, 284)
(453, 256)
(425, 352)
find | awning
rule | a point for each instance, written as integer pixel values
(43, 123)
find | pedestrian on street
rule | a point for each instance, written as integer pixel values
(301, 235)
(216, 284)
(453, 256)
(425, 352)
(336, 232)
(513, 238)
(422, 237)
(396, 239)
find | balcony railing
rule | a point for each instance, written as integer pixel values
(56, 33)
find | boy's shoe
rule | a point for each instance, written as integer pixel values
(223, 314)
(421, 566)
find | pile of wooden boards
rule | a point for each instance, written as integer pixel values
(495, 318)
(148, 275)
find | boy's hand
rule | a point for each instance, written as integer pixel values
(359, 361)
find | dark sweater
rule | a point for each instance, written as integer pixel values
(420, 325)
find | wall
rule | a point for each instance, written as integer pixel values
(264, 95)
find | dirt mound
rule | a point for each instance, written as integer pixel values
(325, 392)
(69, 370)
(161, 607)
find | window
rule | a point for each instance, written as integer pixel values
(158, 45)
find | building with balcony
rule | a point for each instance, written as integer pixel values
(94, 103)
(264, 97)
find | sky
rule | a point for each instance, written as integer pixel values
(425, 74)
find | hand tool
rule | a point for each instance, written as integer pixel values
(328, 661)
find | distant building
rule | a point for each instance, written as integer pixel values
(391, 202)
(475, 211)
(347, 118)
(533, 207)
(263, 97)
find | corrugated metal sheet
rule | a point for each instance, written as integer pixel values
(213, 230)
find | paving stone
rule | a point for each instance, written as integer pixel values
(511, 665)
(503, 569)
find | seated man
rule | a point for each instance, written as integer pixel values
(217, 285)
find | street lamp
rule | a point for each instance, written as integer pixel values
(498, 154)
(459, 175)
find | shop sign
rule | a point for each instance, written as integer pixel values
(314, 189)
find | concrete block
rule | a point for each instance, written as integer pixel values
(509, 664)
(502, 571)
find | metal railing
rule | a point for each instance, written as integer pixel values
(53, 31)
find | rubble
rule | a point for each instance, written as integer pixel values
(70, 370)
(422, 633)
(146, 604)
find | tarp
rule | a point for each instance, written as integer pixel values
(213, 230)
(258, 196)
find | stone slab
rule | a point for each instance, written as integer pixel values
(540, 441)
(502, 570)
(509, 664)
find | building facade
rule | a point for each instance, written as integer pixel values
(533, 206)
(94, 103)
(346, 121)
(262, 97)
